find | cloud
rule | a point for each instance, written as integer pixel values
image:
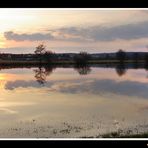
(10, 35)
(100, 33)
(24, 84)
(91, 33)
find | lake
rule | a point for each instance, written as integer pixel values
(67, 102)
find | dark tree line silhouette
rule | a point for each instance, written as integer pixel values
(82, 58)
(121, 55)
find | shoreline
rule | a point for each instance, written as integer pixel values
(71, 62)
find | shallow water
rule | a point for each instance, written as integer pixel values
(72, 102)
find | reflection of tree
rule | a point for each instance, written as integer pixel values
(136, 66)
(121, 69)
(41, 73)
(82, 69)
(146, 68)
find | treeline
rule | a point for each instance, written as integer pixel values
(84, 57)
(41, 55)
(123, 56)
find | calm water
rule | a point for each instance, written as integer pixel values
(72, 102)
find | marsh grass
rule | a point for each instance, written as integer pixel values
(127, 134)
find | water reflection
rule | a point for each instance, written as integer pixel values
(41, 73)
(121, 69)
(82, 69)
(83, 95)
(146, 68)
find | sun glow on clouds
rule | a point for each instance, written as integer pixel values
(29, 23)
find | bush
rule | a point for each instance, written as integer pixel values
(82, 57)
(121, 55)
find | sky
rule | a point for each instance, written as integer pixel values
(66, 30)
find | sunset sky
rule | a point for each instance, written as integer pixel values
(65, 30)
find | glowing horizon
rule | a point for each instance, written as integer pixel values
(73, 30)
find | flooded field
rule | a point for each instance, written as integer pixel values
(44, 102)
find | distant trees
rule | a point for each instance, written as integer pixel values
(136, 57)
(49, 56)
(81, 63)
(82, 58)
(43, 54)
(121, 55)
(146, 58)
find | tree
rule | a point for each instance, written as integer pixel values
(136, 57)
(121, 55)
(49, 56)
(40, 50)
(82, 58)
(146, 58)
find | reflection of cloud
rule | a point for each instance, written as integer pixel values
(127, 88)
(21, 83)
(10, 85)
(60, 86)
(5, 106)
(8, 110)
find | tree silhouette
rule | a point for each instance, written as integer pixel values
(40, 50)
(146, 58)
(82, 58)
(136, 57)
(49, 56)
(121, 55)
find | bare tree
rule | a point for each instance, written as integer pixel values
(40, 50)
